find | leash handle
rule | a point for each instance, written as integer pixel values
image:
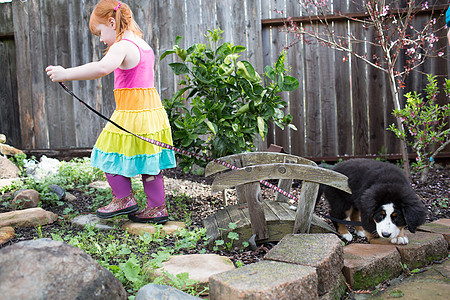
(170, 147)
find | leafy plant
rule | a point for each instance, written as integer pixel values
(20, 161)
(223, 104)
(232, 236)
(426, 122)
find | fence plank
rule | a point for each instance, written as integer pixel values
(376, 98)
(9, 112)
(327, 101)
(312, 108)
(359, 94)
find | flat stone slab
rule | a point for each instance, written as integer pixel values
(6, 233)
(141, 228)
(265, 280)
(99, 185)
(94, 221)
(433, 284)
(366, 265)
(321, 251)
(423, 248)
(199, 266)
(27, 217)
(440, 226)
(156, 291)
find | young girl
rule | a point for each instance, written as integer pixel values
(138, 108)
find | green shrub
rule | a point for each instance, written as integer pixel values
(229, 104)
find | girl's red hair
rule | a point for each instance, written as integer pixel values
(123, 16)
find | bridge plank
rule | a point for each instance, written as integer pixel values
(280, 171)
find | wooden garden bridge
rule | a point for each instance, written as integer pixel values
(267, 220)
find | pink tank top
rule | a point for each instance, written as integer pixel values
(141, 76)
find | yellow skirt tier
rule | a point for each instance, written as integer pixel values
(140, 111)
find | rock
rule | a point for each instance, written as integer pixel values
(6, 233)
(8, 169)
(8, 181)
(141, 228)
(26, 199)
(99, 185)
(9, 150)
(92, 220)
(199, 266)
(46, 167)
(2, 138)
(59, 191)
(441, 226)
(29, 217)
(47, 269)
(156, 291)
(321, 251)
(265, 280)
(423, 248)
(366, 266)
(70, 197)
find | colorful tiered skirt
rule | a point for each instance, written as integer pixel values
(140, 111)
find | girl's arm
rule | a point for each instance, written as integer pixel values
(111, 61)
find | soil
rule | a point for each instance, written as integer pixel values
(201, 203)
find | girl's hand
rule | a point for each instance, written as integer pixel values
(56, 73)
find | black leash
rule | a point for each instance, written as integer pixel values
(352, 223)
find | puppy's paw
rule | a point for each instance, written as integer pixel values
(361, 233)
(347, 236)
(401, 240)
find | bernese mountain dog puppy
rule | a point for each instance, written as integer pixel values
(382, 200)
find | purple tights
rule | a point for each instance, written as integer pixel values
(153, 187)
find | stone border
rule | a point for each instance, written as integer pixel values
(310, 266)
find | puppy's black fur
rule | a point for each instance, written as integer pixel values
(374, 184)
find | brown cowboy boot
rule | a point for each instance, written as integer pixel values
(156, 215)
(118, 207)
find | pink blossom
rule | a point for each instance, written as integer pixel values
(425, 5)
(384, 10)
(410, 51)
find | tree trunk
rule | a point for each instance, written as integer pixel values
(403, 146)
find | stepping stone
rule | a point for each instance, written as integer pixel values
(265, 280)
(365, 266)
(99, 185)
(94, 221)
(156, 291)
(6, 233)
(432, 284)
(27, 218)
(199, 266)
(321, 251)
(440, 226)
(140, 228)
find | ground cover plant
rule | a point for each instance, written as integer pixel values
(133, 259)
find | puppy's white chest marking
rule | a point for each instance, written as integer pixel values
(386, 228)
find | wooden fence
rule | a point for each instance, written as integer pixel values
(341, 108)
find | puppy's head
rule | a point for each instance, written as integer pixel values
(391, 207)
(389, 220)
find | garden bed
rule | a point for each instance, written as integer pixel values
(190, 200)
